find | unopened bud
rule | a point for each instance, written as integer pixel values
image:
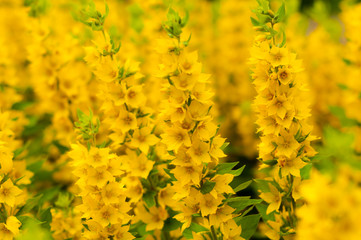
(261, 38)
(271, 13)
(273, 76)
(258, 28)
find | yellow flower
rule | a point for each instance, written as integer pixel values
(111, 191)
(176, 97)
(284, 75)
(222, 183)
(177, 114)
(188, 63)
(199, 151)
(122, 233)
(188, 174)
(216, 151)
(143, 139)
(19, 171)
(286, 144)
(279, 106)
(278, 56)
(286, 121)
(290, 165)
(135, 191)
(206, 130)
(232, 231)
(184, 81)
(99, 176)
(134, 96)
(106, 215)
(274, 198)
(155, 218)
(201, 93)
(10, 229)
(222, 215)
(209, 204)
(92, 56)
(165, 197)
(198, 111)
(183, 158)
(107, 70)
(138, 166)
(175, 137)
(6, 157)
(8, 193)
(125, 121)
(98, 157)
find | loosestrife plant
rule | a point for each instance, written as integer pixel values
(283, 111)
(203, 200)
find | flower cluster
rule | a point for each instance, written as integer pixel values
(332, 215)
(190, 135)
(283, 111)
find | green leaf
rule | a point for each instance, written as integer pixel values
(49, 194)
(238, 171)
(255, 22)
(281, 13)
(283, 38)
(262, 185)
(225, 168)
(64, 200)
(171, 224)
(262, 209)
(21, 105)
(306, 171)
(240, 203)
(29, 205)
(207, 187)
(347, 61)
(148, 198)
(249, 225)
(339, 112)
(27, 219)
(36, 166)
(194, 227)
(171, 175)
(46, 217)
(136, 14)
(242, 186)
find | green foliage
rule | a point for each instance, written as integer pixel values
(305, 172)
(91, 17)
(226, 168)
(64, 200)
(86, 126)
(339, 112)
(266, 19)
(37, 7)
(136, 14)
(149, 198)
(207, 187)
(337, 149)
(194, 227)
(242, 186)
(249, 225)
(171, 224)
(240, 203)
(174, 23)
(262, 209)
(33, 230)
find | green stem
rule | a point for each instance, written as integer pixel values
(214, 234)
(274, 40)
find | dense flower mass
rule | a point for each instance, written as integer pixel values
(162, 120)
(283, 111)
